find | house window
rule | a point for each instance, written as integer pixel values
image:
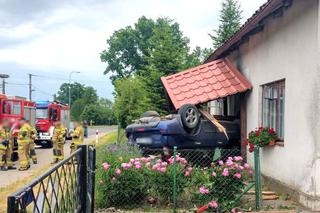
(273, 106)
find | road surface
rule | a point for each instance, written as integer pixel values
(44, 156)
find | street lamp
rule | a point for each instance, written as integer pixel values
(3, 77)
(70, 86)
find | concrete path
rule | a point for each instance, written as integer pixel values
(44, 156)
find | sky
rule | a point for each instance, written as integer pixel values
(50, 39)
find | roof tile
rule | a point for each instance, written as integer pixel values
(203, 83)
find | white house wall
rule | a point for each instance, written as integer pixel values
(288, 48)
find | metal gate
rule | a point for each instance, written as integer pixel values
(67, 187)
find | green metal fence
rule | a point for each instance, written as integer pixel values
(170, 180)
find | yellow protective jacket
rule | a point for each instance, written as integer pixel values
(24, 134)
(78, 135)
(33, 133)
(59, 134)
(4, 138)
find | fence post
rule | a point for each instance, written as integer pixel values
(174, 179)
(257, 176)
(82, 163)
(12, 206)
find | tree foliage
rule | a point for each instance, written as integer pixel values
(147, 51)
(131, 100)
(230, 22)
(85, 104)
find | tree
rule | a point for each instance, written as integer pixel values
(105, 102)
(150, 49)
(81, 96)
(98, 114)
(77, 108)
(131, 100)
(89, 95)
(76, 91)
(198, 56)
(230, 22)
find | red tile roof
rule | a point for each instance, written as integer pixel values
(203, 83)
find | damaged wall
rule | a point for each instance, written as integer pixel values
(289, 47)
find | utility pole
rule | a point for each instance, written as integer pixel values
(30, 86)
(4, 76)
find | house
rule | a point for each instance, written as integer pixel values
(277, 50)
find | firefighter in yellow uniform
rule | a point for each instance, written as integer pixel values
(77, 137)
(58, 137)
(33, 136)
(5, 147)
(24, 140)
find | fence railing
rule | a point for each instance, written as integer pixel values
(61, 189)
(175, 179)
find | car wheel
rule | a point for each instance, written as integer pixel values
(189, 116)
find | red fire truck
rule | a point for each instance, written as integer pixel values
(46, 114)
(13, 108)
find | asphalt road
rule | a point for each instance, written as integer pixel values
(44, 156)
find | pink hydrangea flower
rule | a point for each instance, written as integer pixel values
(241, 167)
(131, 160)
(163, 164)
(213, 204)
(229, 163)
(220, 162)
(237, 175)
(138, 166)
(118, 171)
(106, 166)
(214, 174)
(238, 158)
(187, 174)
(171, 160)
(247, 166)
(203, 190)
(225, 172)
(163, 169)
(159, 161)
(230, 158)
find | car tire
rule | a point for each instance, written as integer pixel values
(189, 116)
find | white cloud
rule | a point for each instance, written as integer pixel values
(71, 34)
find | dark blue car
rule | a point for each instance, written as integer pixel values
(186, 130)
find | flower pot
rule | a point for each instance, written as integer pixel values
(272, 143)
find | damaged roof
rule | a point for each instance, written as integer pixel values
(210, 81)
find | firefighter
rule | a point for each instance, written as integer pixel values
(24, 140)
(77, 137)
(33, 136)
(5, 147)
(58, 137)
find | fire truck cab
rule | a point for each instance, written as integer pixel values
(46, 114)
(14, 108)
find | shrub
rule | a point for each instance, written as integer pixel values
(222, 182)
(162, 177)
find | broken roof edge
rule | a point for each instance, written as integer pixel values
(252, 23)
(245, 84)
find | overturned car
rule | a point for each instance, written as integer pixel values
(189, 129)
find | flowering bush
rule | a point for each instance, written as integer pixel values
(222, 182)
(262, 136)
(128, 181)
(163, 175)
